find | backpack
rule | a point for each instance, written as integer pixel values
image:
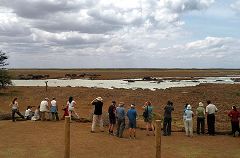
(145, 113)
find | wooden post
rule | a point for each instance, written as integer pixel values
(158, 138)
(67, 137)
(46, 85)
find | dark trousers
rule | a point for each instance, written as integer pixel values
(55, 116)
(235, 127)
(167, 126)
(13, 114)
(120, 127)
(200, 125)
(211, 124)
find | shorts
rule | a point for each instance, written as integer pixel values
(112, 120)
(132, 124)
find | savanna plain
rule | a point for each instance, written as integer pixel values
(38, 139)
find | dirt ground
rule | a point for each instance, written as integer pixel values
(46, 139)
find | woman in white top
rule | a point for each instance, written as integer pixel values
(54, 110)
(71, 106)
(15, 109)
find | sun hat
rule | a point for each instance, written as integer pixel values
(99, 99)
(189, 107)
(200, 104)
(121, 104)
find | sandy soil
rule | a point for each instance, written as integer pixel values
(46, 139)
(223, 96)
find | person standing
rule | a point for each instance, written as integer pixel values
(112, 117)
(189, 121)
(120, 114)
(71, 107)
(97, 114)
(148, 117)
(200, 112)
(234, 114)
(132, 116)
(211, 109)
(43, 109)
(184, 115)
(54, 110)
(15, 109)
(167, 118)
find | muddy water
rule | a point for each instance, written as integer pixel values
(110, 84)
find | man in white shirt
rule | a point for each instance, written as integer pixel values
(43, 108)
(210, 110)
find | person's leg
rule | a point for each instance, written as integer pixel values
(19, 114)
(170, 126)
(130, 133)
(122, 126)
(191, 127)
(165, 127)
(209, 123)
(56, 115)
(53, 116)
(202, 123)
(186, 127)
(13, 115)
(153, 128)
(94, 121)
(101, 122)
(134, 133)
(213, 124)
(118, 127)
(198, 125)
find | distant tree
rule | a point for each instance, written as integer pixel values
(5, 78)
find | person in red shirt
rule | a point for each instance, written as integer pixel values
(234, 115)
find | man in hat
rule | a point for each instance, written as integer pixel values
(120, 113)
(112, 117)
(97, 114)
(200, 112)
(43, 109)
(132, 116)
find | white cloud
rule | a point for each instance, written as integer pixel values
(120, 30)
(236, 6)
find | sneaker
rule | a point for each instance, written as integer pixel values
(92, 131)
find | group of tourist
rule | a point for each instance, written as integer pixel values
(117, 115)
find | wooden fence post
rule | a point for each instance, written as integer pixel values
(158, 138)
(67, 137)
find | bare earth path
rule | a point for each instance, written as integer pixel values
(24, 139)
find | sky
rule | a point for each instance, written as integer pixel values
(120, 33)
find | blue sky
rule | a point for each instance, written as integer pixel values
(121, 33)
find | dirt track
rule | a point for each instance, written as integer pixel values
(25, 139)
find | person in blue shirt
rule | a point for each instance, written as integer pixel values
(132, 116)
(120, 114)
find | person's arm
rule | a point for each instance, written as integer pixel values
(216, 109)
(206, 110)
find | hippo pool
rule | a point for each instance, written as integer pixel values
(128, 84)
